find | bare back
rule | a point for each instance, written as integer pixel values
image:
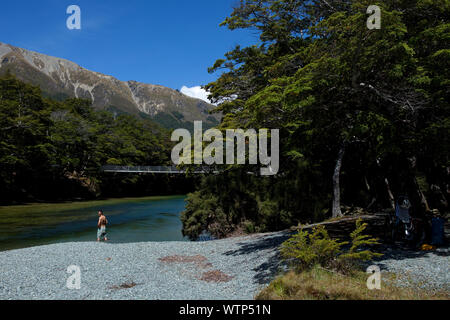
(102, 221)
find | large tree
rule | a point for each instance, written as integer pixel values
(363, 113)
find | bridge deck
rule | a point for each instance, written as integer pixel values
(149, 169)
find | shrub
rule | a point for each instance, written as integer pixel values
(358, 240)
(203, 213)
(307, 249)
(249, 227)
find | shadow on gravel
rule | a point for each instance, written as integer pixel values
(399, 252)
(267, 270)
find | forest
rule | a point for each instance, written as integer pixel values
(53, 150)
(363, 114)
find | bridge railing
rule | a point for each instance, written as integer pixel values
(148, 169)
(113, 168)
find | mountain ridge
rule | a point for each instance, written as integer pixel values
(61, 78)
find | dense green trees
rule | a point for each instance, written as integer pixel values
(363, 117)
(363, 114)
(53, 150)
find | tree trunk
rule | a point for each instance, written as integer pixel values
(336, 184)
(418, 191)
(391, 196)
(369, 190)
(388, 188)
(422, 197)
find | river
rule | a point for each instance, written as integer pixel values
(130, 220)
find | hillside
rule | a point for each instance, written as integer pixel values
(60, 79)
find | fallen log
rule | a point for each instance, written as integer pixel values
(342, 227)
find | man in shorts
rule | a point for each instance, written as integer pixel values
(101, 225)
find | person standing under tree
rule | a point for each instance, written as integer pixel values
(101, 225)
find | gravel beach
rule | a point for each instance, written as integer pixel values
(229, 269)
(423, 269)
(234, 268)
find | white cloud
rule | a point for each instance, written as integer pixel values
(196, 92)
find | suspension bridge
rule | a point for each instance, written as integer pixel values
(152, 170)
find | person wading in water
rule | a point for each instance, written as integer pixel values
(101, 225)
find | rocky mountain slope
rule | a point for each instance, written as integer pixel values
(60, 78)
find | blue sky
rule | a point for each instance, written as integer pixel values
(167, 42)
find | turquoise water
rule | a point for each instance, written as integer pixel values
(131, 221)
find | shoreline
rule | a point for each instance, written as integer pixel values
(132, 220)
(71, 205)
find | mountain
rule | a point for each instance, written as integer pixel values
(60, 79)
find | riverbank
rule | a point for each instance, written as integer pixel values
(34, 208)
(234, 268)
(131, 220)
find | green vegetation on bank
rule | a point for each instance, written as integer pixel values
(363, 114)
(36, 208)
(52, 150)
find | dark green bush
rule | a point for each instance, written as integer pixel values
(307, 249)
(204, 214)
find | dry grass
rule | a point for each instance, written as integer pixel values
(321, 284)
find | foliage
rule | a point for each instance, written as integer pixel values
(326, 81)
(198, 216)
(54, 150)
(307, 249)
(358, 240)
